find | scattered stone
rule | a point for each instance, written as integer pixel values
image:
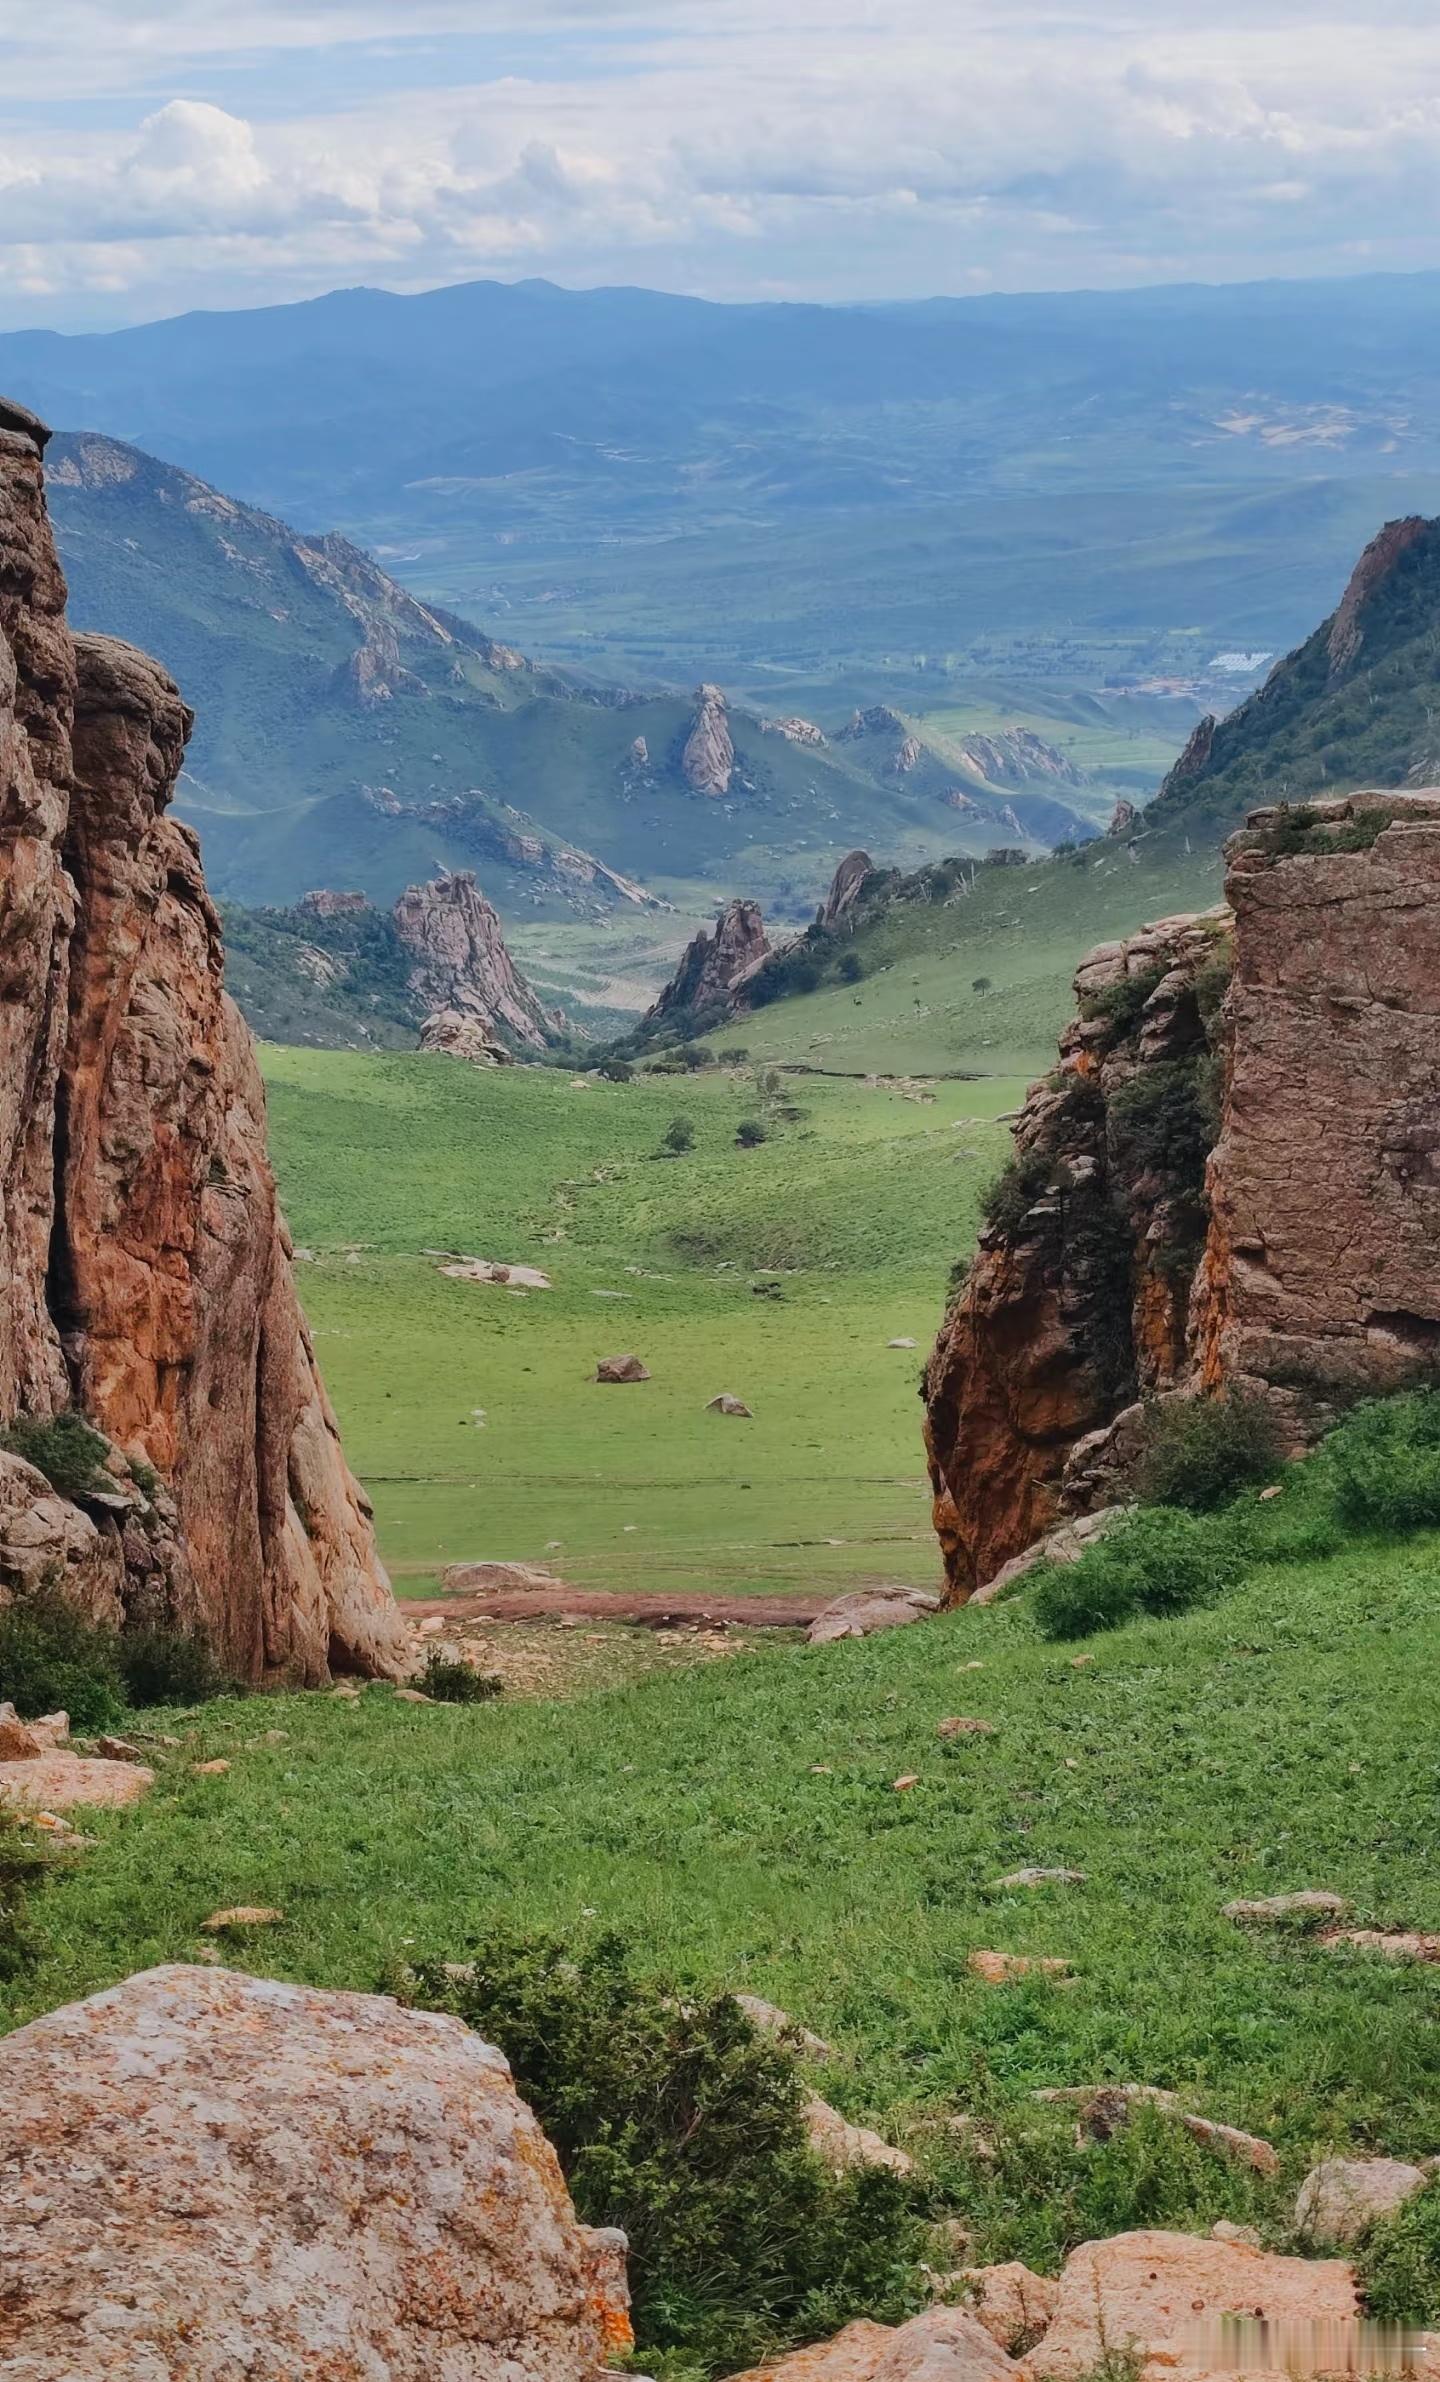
(53, 1731)
(56, 1782)
(771, 2020)
(621, 1368)
(245, 1914)
(1342, 2198)
(118, 1749)
(1274, 1909)
(491, 1579)
(1104, 2108)
(505, 1277)
(1138, 2291)
(345, 1692)
(842, 2145)
(1400, 1944)
(1223, 2230)
(863, 1611)
(960, 1726)
(412, 1695)
(726, 1404)
(1038, 1877)
(18, 1741)
(1275, 1490)
(279, 2181)
(1014, 2304)
(216, 1769)
(432, 1626)
(1008, 1968)
(943, 2345)
(901, 1343)
(902, 1786)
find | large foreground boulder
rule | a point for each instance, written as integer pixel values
(1171, 2295)
(204, 2175)
(944, 2345)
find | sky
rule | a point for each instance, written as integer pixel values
(162, 154)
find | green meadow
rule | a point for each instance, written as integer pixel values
(471, 1411)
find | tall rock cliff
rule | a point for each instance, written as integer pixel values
(708, 761)
(146, 1269)
(463, 968)
(1233, 1179)
(712, 968)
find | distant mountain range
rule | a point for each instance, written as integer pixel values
(1090, 486)
(349, 736)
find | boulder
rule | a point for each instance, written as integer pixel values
(727, 1404)
(64, 1781)
(1279, 1910)
(1024, 1878)
(621, 1368)
(961, 1724)
(1104, 2108)
(842, 2145)
(1014, 2304)
(450, 1034)
(1391, 1943)
(1011, 1968)
(491, 1579)
(1160, 2293)
(489, 1269)
(1342, 2198)
(18, 1741)
(771, 2020)
(217, 2174)
(863, 1611)
(943, 2345)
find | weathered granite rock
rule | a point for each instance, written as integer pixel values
(708, 761)
(1124, 820)
(61, 1781)
(211, 2174)
(1013, 2303)
(860, 1612)
(943, 2345)
(1342, 2198)
(843, 2145)
(324, 902)
(846, 887)
(794, 731)
(452, 1035)
(712, 966)
(462, 965)
(1139, 2291)
(144, 1269)
(1079, 1296)
(1065, 1545)
(621, 1368)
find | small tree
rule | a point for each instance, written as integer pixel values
(749, 1133)
(616, 1070)
(980, 985)
(852, 967)
(679, 1136)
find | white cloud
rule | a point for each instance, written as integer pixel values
(829, 147)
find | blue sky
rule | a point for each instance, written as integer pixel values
(159, 154)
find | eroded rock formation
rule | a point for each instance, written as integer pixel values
(846, 887)
(278, 2181)
(1211, 1194)
(145, 1267)
(713, 966)
(708, 761)
(463, 966)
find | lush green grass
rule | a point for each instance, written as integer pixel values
(1021, 933)
(857, 1209)
(741, 1822)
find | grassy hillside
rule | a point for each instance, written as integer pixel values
(381, 1160)
(741, 1822)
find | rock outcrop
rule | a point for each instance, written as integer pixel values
(1210, 1197)
(455, 1036)
(145, 1267)
(713, 967)
(324, 902)
(876, 719)
(462, 964)
(708, 760)
(216, 2174)
(1017, 757)
(848, 884)
(794, 731)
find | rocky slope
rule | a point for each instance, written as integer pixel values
(146, 1268)
(1218, 1187)
(1352, 707)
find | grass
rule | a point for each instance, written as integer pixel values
(856, 1212)
(740, 1822)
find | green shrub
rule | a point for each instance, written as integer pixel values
(1120, 1005)
(64, 1448)
(851, 967)
(1399, 2263)
(679, 1135)
(1201, 1452)
(171, 1666)
(1160, 1561)
(53, 1660)
(1385, 1461)
(675, 2119)
(735, 1055)
(452, 1682)
(1020, 1182)
(1163, 1122)
(749, 1133)
(616, 1070)
(21, 1864)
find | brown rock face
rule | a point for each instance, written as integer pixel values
(713, 967)
(1315, 1219)
(846, 887)
(462, 963)
(146, 1268)
(1079, 1294)
(708, 761)
(278, 2182)
(1347, 629)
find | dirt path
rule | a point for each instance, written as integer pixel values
(651, 1612)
